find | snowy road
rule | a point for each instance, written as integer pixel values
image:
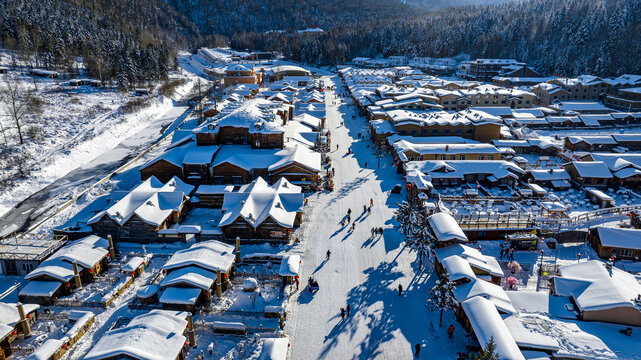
(40, 204)
(362, 271)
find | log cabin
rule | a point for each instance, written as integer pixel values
(147, 208)
(262, 211)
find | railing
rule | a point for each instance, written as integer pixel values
(587, 217)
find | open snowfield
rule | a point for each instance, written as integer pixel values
(363, 271)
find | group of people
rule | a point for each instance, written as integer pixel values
(343, 312)
(507, 252)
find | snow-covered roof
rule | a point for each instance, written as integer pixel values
(192, 276)
(180, 296)
(133, 264)
(289, 265)
(151, 201)
(5, 330)
(429, 139)
(86, 252)
(156, 335)
(595, 287)
(476, 259)
(553, 206)
(260, 201)
(458, 268)
(210, 255)
(529, 339)
(549, 174)
(488, 324)
(446, 228)
(46, 350)
(272, 349)
(487, 290)
(214, 189)
(620, 238)
(592, 169)
(40, 288)
(460, 168)
(402, 146)
(9, 312)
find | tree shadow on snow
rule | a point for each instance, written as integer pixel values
(383, 322)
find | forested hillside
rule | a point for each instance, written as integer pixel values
(135, 40)
(556, 36)
(229, 17)
(128, 41)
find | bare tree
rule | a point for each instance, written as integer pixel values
(18, 104)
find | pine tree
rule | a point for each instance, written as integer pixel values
(442, 297)
(489, 353)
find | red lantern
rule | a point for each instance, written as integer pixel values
(225, 276)
(14, 332)
(68, 284)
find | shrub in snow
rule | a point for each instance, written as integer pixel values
(250, 284)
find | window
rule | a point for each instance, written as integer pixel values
(219, 180)
(425, 132)
(446, 102)
(625, 252)
(453, 102)
(462, 157)
(434, 132)
(502, 101)
(486, 102)
(447, 132)
(452, 157)
(481, 157)
(237, 180)
(527, 101)
(403, 132)
(458, 131)
(442, 157)
(468, 131)
(414, 132)
(490, 157)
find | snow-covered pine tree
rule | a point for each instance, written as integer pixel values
(442, 297)
(489, 353)
(421, 239)
(406, 215)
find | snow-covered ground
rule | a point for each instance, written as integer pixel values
(362, 271)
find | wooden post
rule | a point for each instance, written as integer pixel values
(190, 330)
(238, 249)
(24, 323)
(112, 250)
(219, 285)
(76, 275)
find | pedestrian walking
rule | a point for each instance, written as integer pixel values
(365, 163)
(353, 226)
(328, 253)
(417, 350)
(336, 146)
(297, 283)
(349, 211)
(348, 309)
(371, 202)
(380, 230)
(369, 211)
(342, 313)
(450, 331)
(349, 219)
(373, 231)
(400, 289)
(364, 208)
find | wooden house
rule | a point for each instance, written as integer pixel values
(193, 274)
(76, 263)
(158, 334)
(624, 244)
(589, 173)
(147, 208)
(261, 211)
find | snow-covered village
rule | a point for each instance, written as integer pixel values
(245, 202)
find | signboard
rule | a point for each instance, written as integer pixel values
(276, 234)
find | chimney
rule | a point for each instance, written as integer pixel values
(76, 275)
(112, 250)
(190, 331)
(219, 285)
(238, 249)
(24, 323)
